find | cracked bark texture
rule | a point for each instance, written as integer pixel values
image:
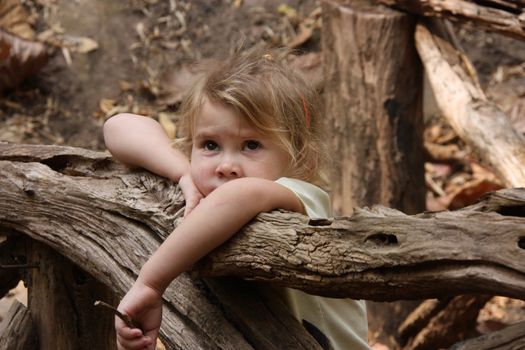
(502, 16)
(107, 219)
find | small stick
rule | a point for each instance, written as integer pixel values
(127, 320)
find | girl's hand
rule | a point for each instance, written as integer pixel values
(191, 194)
(144, 305)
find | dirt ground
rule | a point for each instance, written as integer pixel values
(140, 66)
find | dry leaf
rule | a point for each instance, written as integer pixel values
(86, 45)
(79, 44)
(237, 4)
(311, 67)
(306, 29)
(176, 83)
(106, 105)
(471, 192)
(125, 85)
(19, 59)
(14, 19)
(443, 153)
(287, 10)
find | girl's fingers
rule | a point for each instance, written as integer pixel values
(125, 331)
(129, 333)
(139, 343)
(192, 202)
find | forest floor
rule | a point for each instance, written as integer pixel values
(107, 57)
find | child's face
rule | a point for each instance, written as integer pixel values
(227, 147)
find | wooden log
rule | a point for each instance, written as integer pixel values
(502, 16)
(419, 318)
(61, 299)
(17, 331)
(373, 84)
(376, 253)
(476, 120)
(108, 223)
(450, 325)
(509, 338)
(373, 108)
(108, 219)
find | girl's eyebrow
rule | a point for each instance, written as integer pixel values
(204, 134)
(245, 134)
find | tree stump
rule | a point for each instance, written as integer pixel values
(373, 85)
(373, 97)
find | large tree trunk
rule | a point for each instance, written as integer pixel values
(108, 221)
(374, 113)
(373, 84)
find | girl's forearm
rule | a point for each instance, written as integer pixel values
(218, 217)
(141, 141)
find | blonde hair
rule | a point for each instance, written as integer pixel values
(273, 97)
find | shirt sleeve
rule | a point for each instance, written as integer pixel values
(316, 201)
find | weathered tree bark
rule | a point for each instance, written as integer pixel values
(373, 84)
(419, 318)
(373, 107)
(477, 121)
(18, 331)
(502, 16)
(509, 338)
(108, 220)
(61, 302)
(450, 325)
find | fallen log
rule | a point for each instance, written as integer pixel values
(509, 338)
(378, 253)
(450, 325)
(502, 16)
(108, 219)
(476, 120)
(419, 318)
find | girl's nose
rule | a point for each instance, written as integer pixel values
(228, 168)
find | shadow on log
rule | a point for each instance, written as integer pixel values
(108, 219)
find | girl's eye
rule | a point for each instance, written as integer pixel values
(210, 145)
(252, 145)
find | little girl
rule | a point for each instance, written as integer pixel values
(254, 142)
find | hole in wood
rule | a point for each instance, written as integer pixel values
(518, 210)
(57, 163)
(521, 242)
(320, 222)
(382, 239)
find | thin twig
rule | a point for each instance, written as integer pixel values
(127, 320)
